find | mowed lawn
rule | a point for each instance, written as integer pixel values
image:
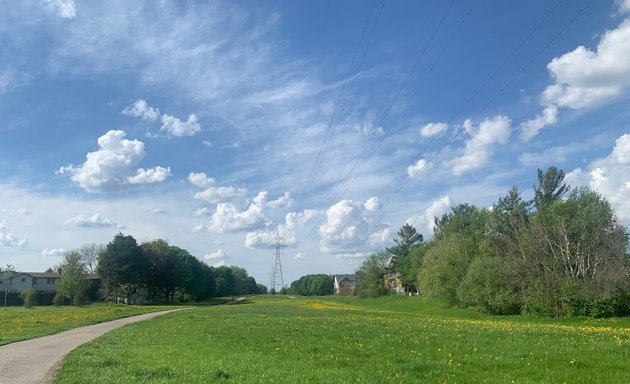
(18, 323)
(347, 340)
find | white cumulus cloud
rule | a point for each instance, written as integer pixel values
(283, 233)
(531, 127)
(420, 167)
(586, 78)
(352, 228)
(94, 221)
(299, 256)
(175, 127)
(480, 145)
(112, 166)
(53, 252)
(141, 109)
(609, 176)
(424, 222)
(228, 218)
(433, 129)
(219, 254)
(200, 212)
(367, 129)
(8, 238)
(213, 194)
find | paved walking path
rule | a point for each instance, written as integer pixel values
(35, 361)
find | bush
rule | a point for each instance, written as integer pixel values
(615, 306)
(79, 299)
(30, 298)
(537, 301)
(486, 286)
(58, 300)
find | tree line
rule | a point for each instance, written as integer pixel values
(562, 253)
(155, 271)
(312, 285)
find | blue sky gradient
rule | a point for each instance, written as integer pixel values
(221, 125)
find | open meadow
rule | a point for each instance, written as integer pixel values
(18, 323)
(279, 339)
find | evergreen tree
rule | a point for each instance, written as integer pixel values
(549, 187)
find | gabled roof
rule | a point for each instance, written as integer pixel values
(40, 274)
(349, 277)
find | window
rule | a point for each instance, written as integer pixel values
(24, 279)
(1, 282)
(49, 281)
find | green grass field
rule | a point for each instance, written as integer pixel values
(348, 340)
(17, 323)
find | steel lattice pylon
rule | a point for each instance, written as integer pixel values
(277, 281)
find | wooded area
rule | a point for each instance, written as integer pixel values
(563, 253)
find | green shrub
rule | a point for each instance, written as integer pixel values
(486, 286)
(29, 297)
(58, 300)
(536, 301)
(79, 299)
(615, 306)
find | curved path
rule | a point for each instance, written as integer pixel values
(35, 361)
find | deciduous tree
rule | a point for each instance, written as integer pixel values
(73, 283)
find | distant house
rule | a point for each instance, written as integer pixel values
(393, 283)
(344, 284)
(39, 281)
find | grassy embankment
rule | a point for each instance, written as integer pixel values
(18, 323)
(348, 340)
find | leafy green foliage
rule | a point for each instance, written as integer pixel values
(122, 266)
(58, 299)
(408, 240)
(567, 257)
(486, 286)
(313, 285)
(549, 188)
(370, 276)
(167, 273)
(73, 284)
(29, 296)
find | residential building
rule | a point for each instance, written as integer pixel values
(39, 281)
(344, 284)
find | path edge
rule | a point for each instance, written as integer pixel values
(51, 374)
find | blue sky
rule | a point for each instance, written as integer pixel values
(221, 125)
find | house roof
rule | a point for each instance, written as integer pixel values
(350, 277)
(40, 274)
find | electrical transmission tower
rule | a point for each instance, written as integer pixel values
(277, 281)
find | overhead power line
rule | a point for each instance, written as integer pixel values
(420, 85)
(391, 104)
(342, 99)
(388, 109)
(493, 98)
